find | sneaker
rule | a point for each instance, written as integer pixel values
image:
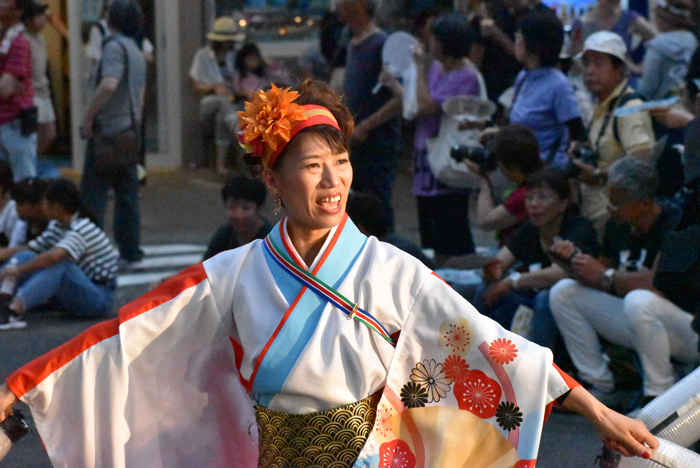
(12, 321)
(9, 318)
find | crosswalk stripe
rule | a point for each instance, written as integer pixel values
(160, 262)
(168, 261)
(172, 249)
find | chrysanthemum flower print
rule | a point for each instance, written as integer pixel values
(413, 395)
(502, 351)
(456, 369)
(431, 376)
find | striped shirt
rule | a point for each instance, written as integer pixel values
(85, 243)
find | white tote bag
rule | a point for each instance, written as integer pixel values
(442, 165)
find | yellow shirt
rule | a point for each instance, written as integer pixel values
(635, 132)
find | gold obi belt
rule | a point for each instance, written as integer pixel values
(328, 439)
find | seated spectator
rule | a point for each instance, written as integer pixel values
(668, 54)
(614, 296)
(72, 263)
(212, 77)
(28, 195)
(544, 100)
(609, 137)
(244, 198)
(550, 217)
(253, 73)
(516, 152)
(8, 208)
(365, 211)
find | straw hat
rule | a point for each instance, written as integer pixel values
(225, 30)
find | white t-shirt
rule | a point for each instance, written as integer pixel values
(8, 219)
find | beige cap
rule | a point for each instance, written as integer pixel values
(226, 29)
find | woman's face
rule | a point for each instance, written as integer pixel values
(252, 62)
(313, 184)
(544, 206)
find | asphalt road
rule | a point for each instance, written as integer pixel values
(184, 207)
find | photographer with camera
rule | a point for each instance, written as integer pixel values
(515, 152)
(609, 138)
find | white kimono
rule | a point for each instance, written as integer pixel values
(158, 386)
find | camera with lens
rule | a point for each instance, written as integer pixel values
(586, 154)
(476, 154)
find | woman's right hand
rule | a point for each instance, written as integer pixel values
(7, 400)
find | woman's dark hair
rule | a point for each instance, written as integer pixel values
(549, 179)
(543, 34)
(321, 94)
(246, 51)
(29, 190)
(515, 146)
(126, 17)
(6, 180)
(25, 6)
(242, 187)
(454, 33)
(66, 194)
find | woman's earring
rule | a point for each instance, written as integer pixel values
(278, 206)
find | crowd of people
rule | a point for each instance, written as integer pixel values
(583, 183)
(584, 180)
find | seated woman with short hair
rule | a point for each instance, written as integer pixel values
(550, 217)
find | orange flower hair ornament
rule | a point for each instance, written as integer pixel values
(271, 120)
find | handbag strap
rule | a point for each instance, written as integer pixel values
(352, 310)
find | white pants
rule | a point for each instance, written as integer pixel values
(653, 326)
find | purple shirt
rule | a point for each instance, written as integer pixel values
(442, 86)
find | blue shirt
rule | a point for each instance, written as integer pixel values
(544, 101)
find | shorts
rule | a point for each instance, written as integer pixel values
(444, 224)
(45, 110)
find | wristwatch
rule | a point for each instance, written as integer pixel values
(606, 281)
(514, 277)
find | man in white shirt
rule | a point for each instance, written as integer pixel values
(212, 77)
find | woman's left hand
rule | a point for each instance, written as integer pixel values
(619, 432)
(625, 435)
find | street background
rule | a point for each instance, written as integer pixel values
(183, 209)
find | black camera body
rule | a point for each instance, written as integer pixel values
(586, 154)
(476, 154)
